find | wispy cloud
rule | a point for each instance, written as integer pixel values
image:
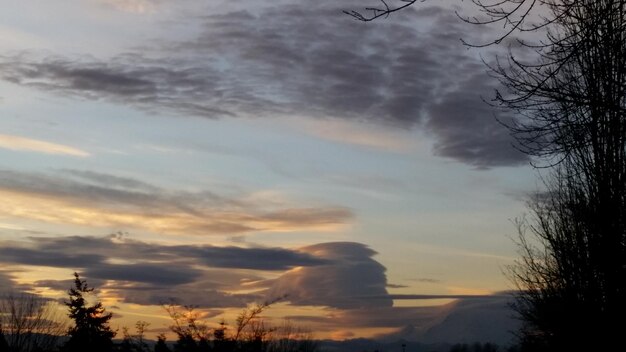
(365, 135)
(18, 143)
(94, 199)
(133, 6)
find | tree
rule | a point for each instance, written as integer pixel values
(136, 342)
(187, 326)
(29, 323)
(4, 346)
(91, 331)
(161, 344)
(250, 332)
(570, 103)
(287, 337)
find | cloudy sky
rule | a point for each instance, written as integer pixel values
(229, 152)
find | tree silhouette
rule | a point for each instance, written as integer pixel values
(570, 105)
(136, 342)
(161, 344)
(91, 331)
(4, 346)
(250, 332)
(29, 323)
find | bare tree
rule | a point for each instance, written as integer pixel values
(571, 112)
(288, 337)
(251, 332)
(30, 323)
(135, 342)
(187, 325)
(570, 100)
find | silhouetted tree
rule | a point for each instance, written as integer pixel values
(250, 333)
(287, 337)
(135, 342)
(30, 323)
(186, 343)
(573, 268)
(4, 346)
(127, 344)
(91, 331)
(161, 344)
(187, 326)
(570, 104)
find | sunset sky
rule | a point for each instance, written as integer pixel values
(229, 152)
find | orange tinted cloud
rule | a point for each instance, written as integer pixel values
(106, 200)
(33, 145)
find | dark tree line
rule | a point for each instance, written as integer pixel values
(570, 101)
(29, 323)
(250, 333)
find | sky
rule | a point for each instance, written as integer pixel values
(228, 152)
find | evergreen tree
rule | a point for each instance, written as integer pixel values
(91, 331)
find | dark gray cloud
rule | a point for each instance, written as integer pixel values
(129, 79)
(8, 284)
(128, 203)
(28, 256)
(304, 59)
(250, 258)
(349, 278)
(95, 254)
(468, 129)
(148, 273)
(341, 274)
(156, 274)
(64, 285)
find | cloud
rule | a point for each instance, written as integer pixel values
(303, 60)
(156, 274)
(346, 281)
(8, 284)
(373, 316)
(148, 273)
(88, 198)
(364, 135)
(27, 256)
(336, 275)
(132, 6)
(18, 143)
(467, 128)
(472, 320)
(341, 279)
(89, 252)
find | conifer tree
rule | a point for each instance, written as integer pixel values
(91, 331)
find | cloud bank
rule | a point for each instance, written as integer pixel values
(342, 279)
(304, 60)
